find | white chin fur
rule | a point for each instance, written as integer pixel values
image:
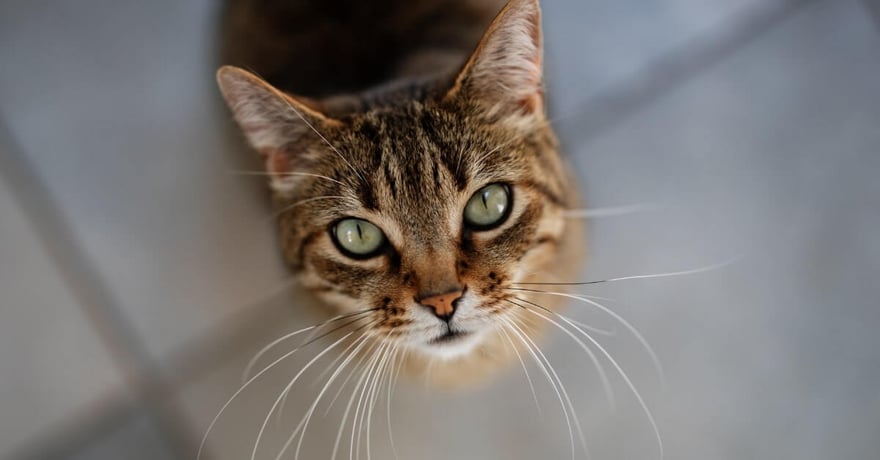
(452, 350)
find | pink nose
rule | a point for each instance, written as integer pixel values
(443, 305)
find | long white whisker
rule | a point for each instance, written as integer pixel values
(377, 385)
(332, 147)
(606, 384)
(351, 399)
(323, 374)
(289, 386)
(248, 383)
(351, 374)
(592, 213)
(606, 332)
(486, 155)
(525, 370)
(707, 268)
(256, 358)
(304, 201)
(304, 422)
(290, 173)
(393, 382)
(655, 360)
(623, 375)
(356, 422)
(555, 382)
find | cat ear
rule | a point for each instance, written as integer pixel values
(504, 74)
(280, 127)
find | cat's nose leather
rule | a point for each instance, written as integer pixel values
(443, 305)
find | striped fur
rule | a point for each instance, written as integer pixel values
(406, 155)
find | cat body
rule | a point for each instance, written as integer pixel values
(418, 182)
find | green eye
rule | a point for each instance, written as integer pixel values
(357, 238)
(488, 207)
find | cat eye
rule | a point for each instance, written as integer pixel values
(488, 208)
(357, 238)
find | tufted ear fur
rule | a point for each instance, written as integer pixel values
(283, 129)
(504, 74)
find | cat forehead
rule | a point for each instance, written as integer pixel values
(407, 159)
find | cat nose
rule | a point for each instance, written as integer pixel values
(443, 305)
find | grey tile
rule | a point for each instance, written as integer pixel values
(118, 111)
(53, 368)
(594, 45)
(771, 154)
(135, 438)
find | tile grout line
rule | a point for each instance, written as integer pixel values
(93, 296)
(75, 434)
(620, 101)
(873, 7)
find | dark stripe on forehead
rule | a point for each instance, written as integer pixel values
(454, 163)
(367, 194)
(435, 173)
(390, 178)
(366, 189)
(448, 148)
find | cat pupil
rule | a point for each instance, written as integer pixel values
(357, 238)
(488, 208)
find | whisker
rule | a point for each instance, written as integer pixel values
(391, 385)
(525, 370)
(500, 146)
(304, 422)
(328, 369)
(606, 332)
(555, 382)
(293, 382)
(655, 360)
(264, 350)
(332, 147)
(376, 387)
(606, 384)
(357, 365)
(611, 211)
(304, 201)
(356, 422)
(357, 385)
(637, 277)
(623, 375)
(285, 174)
(249, 382)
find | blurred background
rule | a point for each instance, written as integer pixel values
(139, 269)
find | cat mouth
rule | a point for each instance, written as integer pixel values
(449, 337)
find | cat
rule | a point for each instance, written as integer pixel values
(418, 182)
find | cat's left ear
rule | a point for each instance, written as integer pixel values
(504, 74)
(282, 128)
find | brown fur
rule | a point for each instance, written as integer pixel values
(407, 157)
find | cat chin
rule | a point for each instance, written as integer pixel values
(449, 350)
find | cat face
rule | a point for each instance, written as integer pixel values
(434, 215)
(419, 211)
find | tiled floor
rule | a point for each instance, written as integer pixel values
(750, 127)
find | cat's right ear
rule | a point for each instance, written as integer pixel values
(280, 127)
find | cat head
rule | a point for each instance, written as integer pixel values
(420, 212)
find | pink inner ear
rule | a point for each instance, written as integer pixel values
(277, 161)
